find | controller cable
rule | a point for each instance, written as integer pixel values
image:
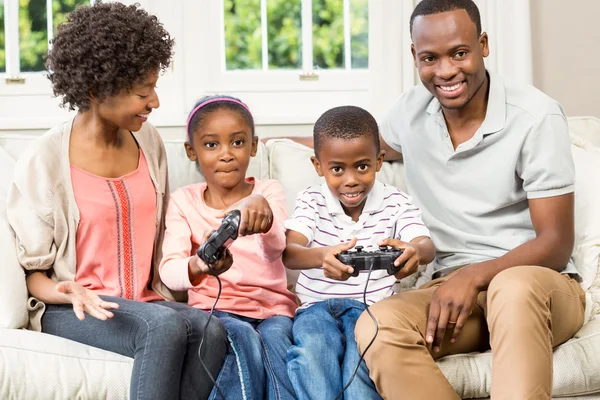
(212, 309)
(362, 356)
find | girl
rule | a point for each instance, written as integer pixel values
(254, 305)
(87, 202)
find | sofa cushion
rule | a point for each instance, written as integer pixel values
(576, 367)
(13, 291)
(34, 365)
(289, 163)
(183, 172)
(586, 252)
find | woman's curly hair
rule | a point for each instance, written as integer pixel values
(104, 49)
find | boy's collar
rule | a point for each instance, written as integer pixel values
(373, 202)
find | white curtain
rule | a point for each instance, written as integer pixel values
(391, 66)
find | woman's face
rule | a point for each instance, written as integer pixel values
(222, 147)
(130, 108)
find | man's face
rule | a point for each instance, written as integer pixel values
(449, 56)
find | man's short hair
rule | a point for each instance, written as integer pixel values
(429, 7)
(345, 122)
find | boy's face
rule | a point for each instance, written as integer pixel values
(222, 147)
(349, 168)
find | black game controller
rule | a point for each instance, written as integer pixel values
(361, 260)
(212, 250)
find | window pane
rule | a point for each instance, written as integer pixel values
(243, 38)
(2, 46)
(33, 34)
(328, 33)
(284, 19)
(60, 9)
(359, 31)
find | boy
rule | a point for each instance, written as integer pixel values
(351, 208)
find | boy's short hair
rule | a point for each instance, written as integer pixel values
(345, 122)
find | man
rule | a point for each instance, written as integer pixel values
(489, 163)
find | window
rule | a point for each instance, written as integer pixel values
(290, 60)
(26, 28)
(297, 34)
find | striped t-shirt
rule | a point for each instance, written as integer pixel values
(319, 216)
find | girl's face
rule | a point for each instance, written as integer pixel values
(130, 108)
(222, 146)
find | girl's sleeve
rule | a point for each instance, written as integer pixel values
(176, 248)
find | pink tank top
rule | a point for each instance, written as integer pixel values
(115, 236)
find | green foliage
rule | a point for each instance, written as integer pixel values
(33, 30)
(243, 36)
(2, 48)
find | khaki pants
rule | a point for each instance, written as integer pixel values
(524, 314)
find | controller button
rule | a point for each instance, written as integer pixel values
(359, 248)
(383, 248)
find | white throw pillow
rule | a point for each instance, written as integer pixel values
(586, 252)
(13, 290)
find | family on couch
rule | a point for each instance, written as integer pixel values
(109, 252)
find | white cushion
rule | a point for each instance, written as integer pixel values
(13, 291)
(183, 172)
(576, 367)
(585, 132)
(35, 365)
(289, 163)
(586, 252)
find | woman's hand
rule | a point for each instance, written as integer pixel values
(85, 300)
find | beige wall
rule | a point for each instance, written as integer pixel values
(566, 53)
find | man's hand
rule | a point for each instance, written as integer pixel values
(332, 267)
(86, 300)
(411, 257)
(256, 215)
(451, 305)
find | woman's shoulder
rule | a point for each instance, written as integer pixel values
(43, 156)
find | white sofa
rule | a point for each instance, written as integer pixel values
(38, 366)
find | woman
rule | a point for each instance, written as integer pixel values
(87, 208)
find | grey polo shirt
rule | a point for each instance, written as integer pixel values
(475, 199)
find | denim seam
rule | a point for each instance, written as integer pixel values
(146, 347)
(269, 366)
(240, 372)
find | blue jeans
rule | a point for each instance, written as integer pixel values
(162, 337)
(324, 355)
(254, 368)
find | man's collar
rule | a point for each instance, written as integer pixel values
(495, 115)
(372, 204)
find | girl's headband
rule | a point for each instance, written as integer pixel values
(207, 102)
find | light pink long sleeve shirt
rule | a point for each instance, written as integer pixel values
(255, 286)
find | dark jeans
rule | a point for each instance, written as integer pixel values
(163, 339)
(254, 368)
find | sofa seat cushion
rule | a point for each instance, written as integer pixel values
(35, 365)
(576, 367)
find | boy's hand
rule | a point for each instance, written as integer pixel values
(256, 215)
(411, 256)
(332, 267)
(86, 300)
